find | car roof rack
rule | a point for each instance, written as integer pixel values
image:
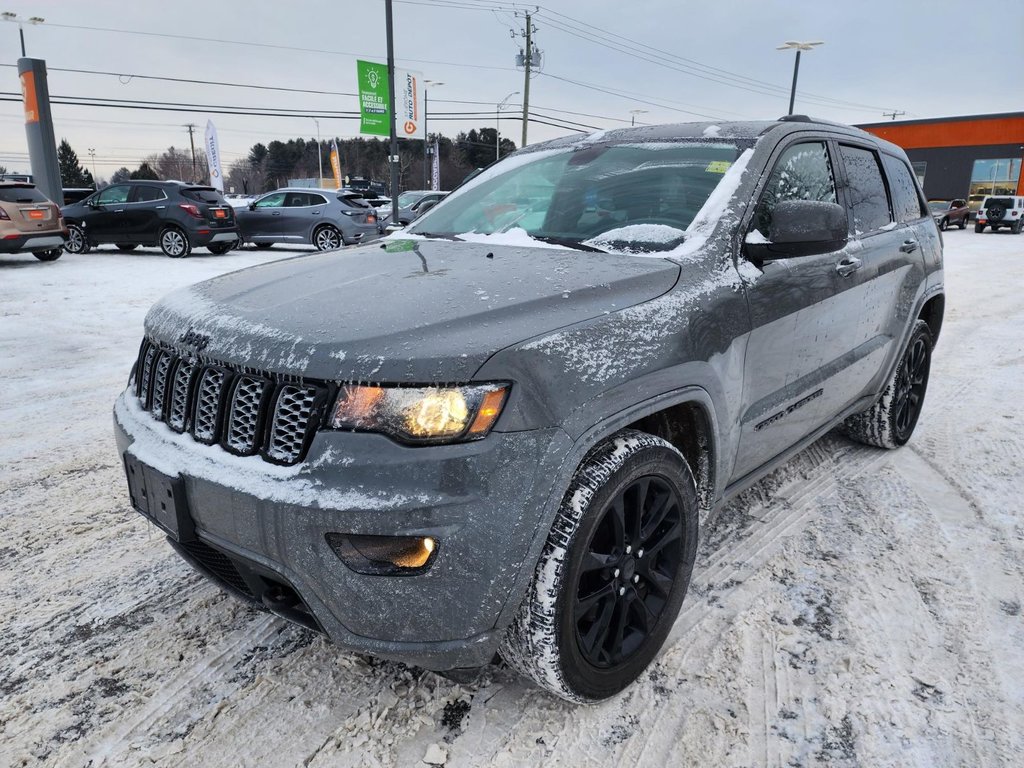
(795, 119)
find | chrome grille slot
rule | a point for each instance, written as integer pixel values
(146, 379)
(160, 371)
(290, 422)
(181, 395)
(209, 395)
(244, 414)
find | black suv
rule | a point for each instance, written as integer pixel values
(172, 214)
(497, 430)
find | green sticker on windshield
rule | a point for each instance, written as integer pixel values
(397, 246)
(718, 166)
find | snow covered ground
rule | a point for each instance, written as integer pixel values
(857, 607)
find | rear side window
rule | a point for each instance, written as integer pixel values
(148, 194)
(203, 195)
(21, 195)
(803, 172)
(869, 203)
(906, 204)
(354, 202)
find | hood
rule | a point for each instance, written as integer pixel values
(418, 311)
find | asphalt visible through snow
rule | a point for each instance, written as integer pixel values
(856, 607)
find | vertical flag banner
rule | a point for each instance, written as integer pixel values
(213, 157)
(409, 104)
(373, 97)
(435, 171)
(336, 163)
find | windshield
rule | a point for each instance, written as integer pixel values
(408, 198)
(938, 205)
(627, 197)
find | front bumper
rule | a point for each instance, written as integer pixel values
(484, 502)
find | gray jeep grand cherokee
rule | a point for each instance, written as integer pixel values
(497, 431)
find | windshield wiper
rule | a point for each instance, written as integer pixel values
(438, 236)
(567, 241)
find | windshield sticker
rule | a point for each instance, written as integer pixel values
(718, 166)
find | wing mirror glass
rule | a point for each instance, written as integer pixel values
(802, 228)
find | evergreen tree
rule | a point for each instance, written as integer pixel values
(144, 171)
(72, 174)
(120, 175)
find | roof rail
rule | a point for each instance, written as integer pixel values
(796, 119)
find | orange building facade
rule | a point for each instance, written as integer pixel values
(962, 157)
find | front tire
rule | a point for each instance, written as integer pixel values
(174, 243)
(613, 572)
(890, 422)
(76, 242)
(51, 255)
(327, 238)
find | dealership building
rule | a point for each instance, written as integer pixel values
(962, 157)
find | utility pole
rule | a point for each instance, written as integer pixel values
(191, 128)
(393, 157)
(527, 61)
(894, 114)
(319, 155)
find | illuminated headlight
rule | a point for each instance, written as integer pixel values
(420, 414)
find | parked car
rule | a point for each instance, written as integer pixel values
(974, 203)
(76, 194)
(948, 212)
(488, 435)
(1001, 211)
(172, 214)
(410, 203)
(29, 223)
(326, 218)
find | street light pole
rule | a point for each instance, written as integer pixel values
(393, 157)
(633, 113)
(13, 17)
(497, 125)
(426, 134)
(319, 154)
(798, 47)
(92, 156)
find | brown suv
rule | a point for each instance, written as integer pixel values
(29, 222)
(949, 212)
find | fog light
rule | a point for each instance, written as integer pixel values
(384, 555)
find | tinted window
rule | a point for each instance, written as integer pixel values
(147, 194)
(868, 201)
(21, 195)
(275, 200)
(905, 201)
(203, 195)
(111, 195)
(803, 172)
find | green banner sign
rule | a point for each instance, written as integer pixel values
(373, 98)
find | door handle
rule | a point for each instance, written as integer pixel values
(909, 246)
(276, 213)
(120, 210)
(160, 207)
(848, 266)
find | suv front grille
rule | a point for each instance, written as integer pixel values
(245, 412)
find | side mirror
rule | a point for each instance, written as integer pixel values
(92, 203)
(252, 206)
(426, 207)
(802, 228)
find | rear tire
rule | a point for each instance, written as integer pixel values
(264, 246)
(1015, 228)
(327, 238)
(51, 255)
(174, 243)
(126, 247)
(979, 228)
(963, 223)
(76, 241)
(944, 224)
(890, 422)
(598, 610)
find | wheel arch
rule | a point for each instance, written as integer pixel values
(932, 312)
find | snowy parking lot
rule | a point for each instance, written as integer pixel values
(856, 607)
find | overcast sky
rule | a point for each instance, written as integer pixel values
(928, 59)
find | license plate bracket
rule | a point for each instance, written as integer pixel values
(160, 498)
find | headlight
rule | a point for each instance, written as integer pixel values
(420, 414)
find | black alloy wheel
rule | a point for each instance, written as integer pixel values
(630, 565)
(944, 224)
(911, 384)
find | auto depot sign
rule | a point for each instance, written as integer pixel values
(373, 100)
